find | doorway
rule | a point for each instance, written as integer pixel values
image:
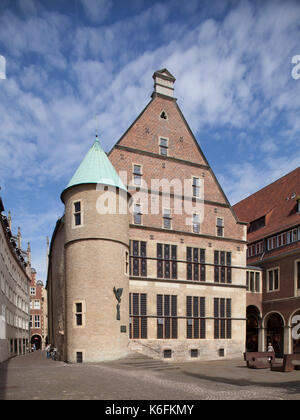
(37, 341)
(275, 333)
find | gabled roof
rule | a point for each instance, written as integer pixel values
(276, 201)
(96, 168)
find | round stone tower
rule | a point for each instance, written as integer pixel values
(96, 261)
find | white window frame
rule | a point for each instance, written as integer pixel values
(140, 213)
(218, 226)
(166, 148)
(167, 216)
(37, 304)
(135, 174)
(37, 321)
(196, 185)
(74, 226)
(268, 280)
(196, 223)
(297, 290)
(83, 314)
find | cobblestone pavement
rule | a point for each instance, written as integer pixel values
(33, 377)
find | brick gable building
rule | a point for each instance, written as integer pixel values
(273, 216)
(38, 312)
(184, 256)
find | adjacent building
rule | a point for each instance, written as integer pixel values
(166, 278)
(273, 258)
(14, 292)
(38, 313)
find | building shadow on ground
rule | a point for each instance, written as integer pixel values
(291, 387)
(3, 379)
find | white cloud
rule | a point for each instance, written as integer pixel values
(227, 74)
(233, 78)
(97, 10)
(29, 7)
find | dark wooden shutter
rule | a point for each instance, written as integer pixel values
(222, 257)
(222, 274)
(174, 316)
(216, 320)
(143, 311)
(217, 274)
(167, 270)
(159, 305)
(143, 249)
(189, 274)
(216, 257)
(159, 251)
(159, 310)
(202, 255)
(203, 273)
(202, 320)
(135, 248)
(189, 306)
(196, 272)
(228, 315)
(174, 261)
(166, 305)
(229, 278)
(228, 258)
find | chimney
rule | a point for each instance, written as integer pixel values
(19, 236)
(47, 255)
(164, 83)
(9, 220)
(29, 254)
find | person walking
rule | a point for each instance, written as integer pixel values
(270, 350)
(48, 348)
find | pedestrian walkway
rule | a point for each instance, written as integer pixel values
(137, 377)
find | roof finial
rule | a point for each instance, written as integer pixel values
(97, 126)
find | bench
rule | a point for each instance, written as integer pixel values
(287, 364)
(259, 360)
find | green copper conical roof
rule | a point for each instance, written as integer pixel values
(96, 168)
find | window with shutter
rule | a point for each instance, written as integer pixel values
(222, 267)
(222, 318)
(195, 314)
(167, 316)
(195, 264)
(166, 261)
(138, 259)
(137, 315)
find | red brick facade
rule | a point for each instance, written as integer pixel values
(187, 289)
(184, 160)
(274, 246)
(38, 331)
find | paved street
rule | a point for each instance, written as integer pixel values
(33, 377)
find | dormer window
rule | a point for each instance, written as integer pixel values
(298, 205)
(257, 224)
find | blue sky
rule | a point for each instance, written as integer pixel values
(69, 60)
